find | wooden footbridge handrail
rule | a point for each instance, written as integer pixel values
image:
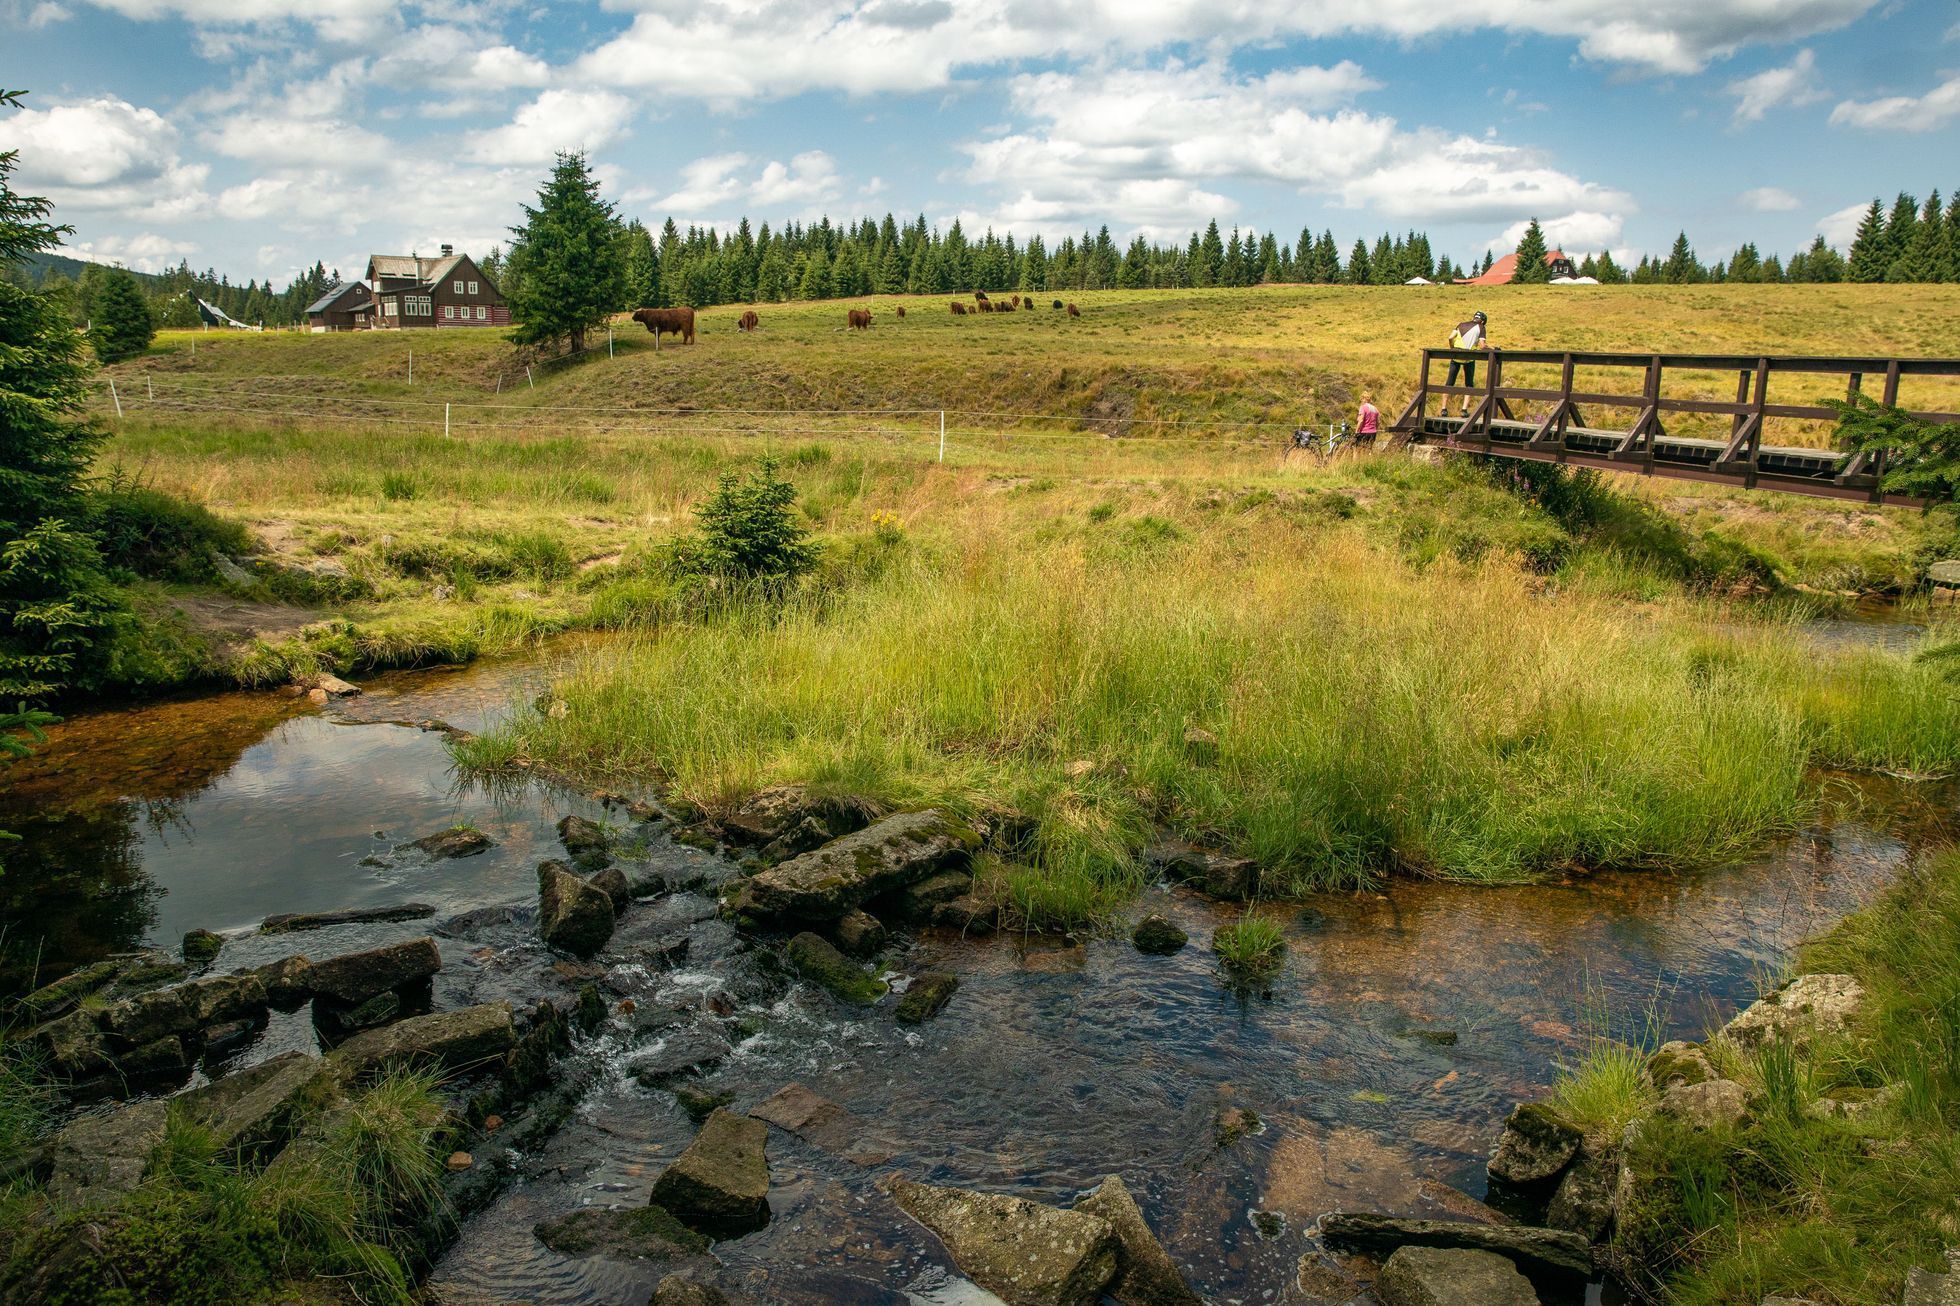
(1561, 434)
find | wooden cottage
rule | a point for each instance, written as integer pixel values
(446, 291)
(343, 308)
(1502, 271)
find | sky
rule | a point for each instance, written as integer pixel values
(257, 136)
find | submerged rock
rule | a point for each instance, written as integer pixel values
(646, 1233)
(98, 1158)
(1025, 1253)
(1156, 935)
(1232, 1123)
(1808, 1007)
(1536, 1145)
(352, 978)
(699, 1101)
(573, 916)
(676, 1055)
(456, 841)
(676, 1291)
(290, 922)
(1145, 1273)
(720, 1184)
(201, 947)
(1554, 1253)
(1438, 1276)
(882, 858)
(926, 997)
(816, 960)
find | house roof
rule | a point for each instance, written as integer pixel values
(1504, 269)
(334, 293)
(425, 271)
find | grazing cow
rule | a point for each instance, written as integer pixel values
(859, 318)
(980, 296)
(1056, 304)
(959, 309)
(1073, 311)
(748, 321)
(673, 321)
(1016, 301)
(986, 306)
(900, 310)
(1008, 307)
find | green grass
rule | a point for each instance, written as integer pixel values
(352, 1203)
(1830, 1208)
(1250, 946)
(1377, 713)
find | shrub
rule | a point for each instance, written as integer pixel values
(123, 326)
(161, 537)
(747, 532)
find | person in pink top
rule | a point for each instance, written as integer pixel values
(1368, 423)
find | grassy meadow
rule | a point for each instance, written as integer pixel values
(1411, 666)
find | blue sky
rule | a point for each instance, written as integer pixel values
(255, 136)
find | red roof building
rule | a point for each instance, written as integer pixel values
(1502, 271)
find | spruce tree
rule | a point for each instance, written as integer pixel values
(1899, 228)
(56, 607)
(1869, 260)
(642, 270)
(1681, 267)
(123, 326)
(1358, 271)
(1925, 255)
(1531, 268)
(574, 276)
(1210, 263)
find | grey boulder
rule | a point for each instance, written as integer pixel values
(1025, 1253)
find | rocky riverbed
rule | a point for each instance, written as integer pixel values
(877, 1036)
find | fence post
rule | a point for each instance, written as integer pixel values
(115, 399)
(527, 377)
(150, 386)
(445, 421)
(411, 366)
(609, 348)
(942, 435)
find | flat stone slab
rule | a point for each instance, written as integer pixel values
(99, 1158)
(1441, 1276)
(291, 922)
(642, 1233)
(845, 873)
(817, 1120)
(1809, 1006)
(1025, 1253)
(255, 1108)
(355, 977)
(1145, 1273)
(449, 1041)
(1553, 1253)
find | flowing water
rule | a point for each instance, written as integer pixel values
(1381, 1061)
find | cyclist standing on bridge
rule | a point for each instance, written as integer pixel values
(1468, 335)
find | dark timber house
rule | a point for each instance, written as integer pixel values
(343, 308)
(446, 291)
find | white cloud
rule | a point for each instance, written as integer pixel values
(719, 184)
(312, 143)
(1791, 85)
(733, 51)
(557, 120)
(1838, 228)
(351, 22)
(1137, 146)
(1575, 233)
(1904, 113)
(147, 252)
(104, 154)
(450, 58)
(1769, 199)
(45, 14)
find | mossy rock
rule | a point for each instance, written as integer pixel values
(927, 997)
(647, 1233)
(818, 961)
(1156, 935)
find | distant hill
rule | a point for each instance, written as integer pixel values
(41, 264)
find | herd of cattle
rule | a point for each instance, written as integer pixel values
(680, 321)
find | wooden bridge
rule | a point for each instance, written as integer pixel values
(1549, 423)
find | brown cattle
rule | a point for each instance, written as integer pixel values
(1057, 304)
(749, 321)
(859, 318)
(986, 306)
(959, 309)
(1008, 307)
(673, 321)
(980, 296)
(900, 310)
(1014, 300)
(1073, 311)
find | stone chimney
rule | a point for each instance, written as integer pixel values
(447, 250)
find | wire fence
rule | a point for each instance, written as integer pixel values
(299, 401)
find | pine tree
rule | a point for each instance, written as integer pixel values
(1531, 268)
(1746, 264)
(56, 608)
(1925, 255)
(772, 278)
(1899, 228)
(573, 273)
(1681, 267)
(1358, 272)
(1869, 260)
(1950, 259)
(1209, 265)
(123, 327)
(642, 270)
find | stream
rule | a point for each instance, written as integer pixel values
(1382, 1061)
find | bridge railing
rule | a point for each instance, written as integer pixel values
(1740, 456)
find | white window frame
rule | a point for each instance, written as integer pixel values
(473, 288)
(459, 287)
(482, 313)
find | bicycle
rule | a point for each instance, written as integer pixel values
(1338, 437)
